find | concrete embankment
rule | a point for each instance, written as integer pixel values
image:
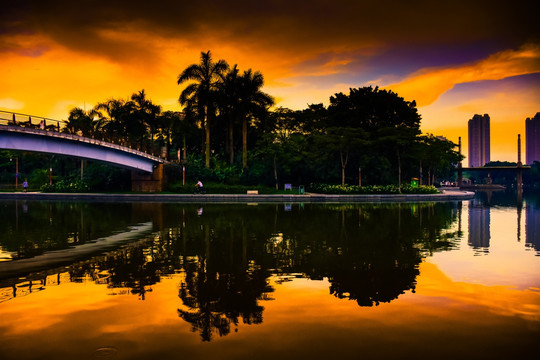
(240, 198)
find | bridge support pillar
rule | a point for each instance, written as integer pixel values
(144, 182)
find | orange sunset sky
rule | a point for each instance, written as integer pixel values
(455, 59)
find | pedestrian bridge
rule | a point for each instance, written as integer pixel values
(52, 142)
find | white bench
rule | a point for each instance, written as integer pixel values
(253, 192)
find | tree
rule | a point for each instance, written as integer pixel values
(342, 140)
(117, 122)
(82, 120)
(229, 107)
(146, 114)
(201, 94)
(253, 103)
(391, 123)
(398, 141)
(438, 156)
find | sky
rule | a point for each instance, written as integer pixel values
(455, 59)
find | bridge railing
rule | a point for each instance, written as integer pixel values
(31, 121)
(57, 128)
(38, 122)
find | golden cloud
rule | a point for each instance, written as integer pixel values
(427, 85)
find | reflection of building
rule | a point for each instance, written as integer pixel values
(532, 228)
(479, 140)
(532, 139)
(479, 228)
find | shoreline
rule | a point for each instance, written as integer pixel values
(445, 195)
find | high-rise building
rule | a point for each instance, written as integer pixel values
(532, 139)
(479, 140)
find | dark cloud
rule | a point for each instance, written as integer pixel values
(278, 25)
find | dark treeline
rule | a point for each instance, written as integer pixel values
(228, 131)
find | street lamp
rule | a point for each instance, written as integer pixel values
(183, 175)
(16, 171)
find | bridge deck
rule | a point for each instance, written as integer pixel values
(30, 139)
(83, 139)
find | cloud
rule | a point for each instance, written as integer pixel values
(11, 104)
(299, 29)
(427, 85)
(508, 102)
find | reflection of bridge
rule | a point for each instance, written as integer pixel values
(53, 259)
(25, 136)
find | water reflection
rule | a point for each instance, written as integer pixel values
(30, 228)
(224, 255)
(532, 228)
(479, 234)
(480, 222)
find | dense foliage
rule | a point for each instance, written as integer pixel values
(228, 133)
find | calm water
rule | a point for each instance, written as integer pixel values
(233, 281)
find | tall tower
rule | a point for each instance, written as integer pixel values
(532, 139)
(479, 140)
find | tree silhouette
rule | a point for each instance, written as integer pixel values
(82, 120)
(253, 103)
(228, 104)
(214, 299)
(145, 115)
(201, 93)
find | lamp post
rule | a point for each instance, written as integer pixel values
(183, 175)
(16, 171)
(50, 176)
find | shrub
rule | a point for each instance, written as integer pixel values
(371, 189)
(63, 186)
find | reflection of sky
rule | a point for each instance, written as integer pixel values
(302, 321)
(508, 261)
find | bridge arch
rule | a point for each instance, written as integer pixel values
(43, 141)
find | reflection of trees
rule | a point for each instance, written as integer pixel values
(213, 301)
(368, 252)
(220, 286)
(130, 268)
(371, 284)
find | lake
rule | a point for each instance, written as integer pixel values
(134, 280)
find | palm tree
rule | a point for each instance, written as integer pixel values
(229, 105)
(202, 92)
(115, 121)
(82, 120)
(147, 112)
(253, 104)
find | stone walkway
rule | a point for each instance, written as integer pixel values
(445, 195)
